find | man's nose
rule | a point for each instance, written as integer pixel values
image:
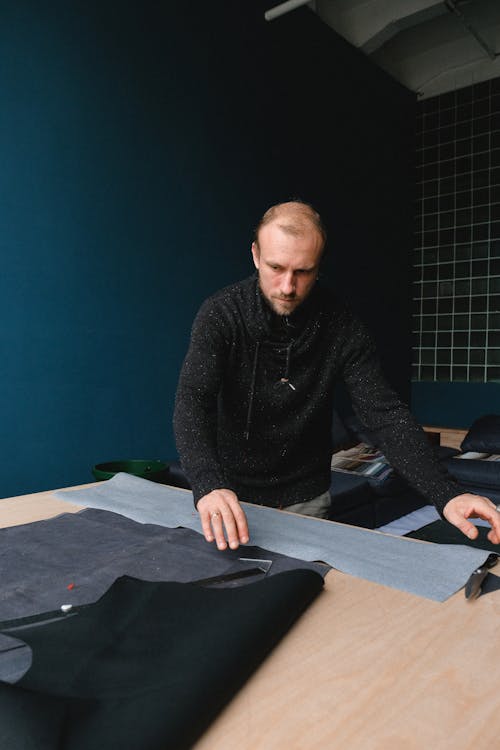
(288, 283)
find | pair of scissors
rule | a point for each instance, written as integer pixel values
(474, 585)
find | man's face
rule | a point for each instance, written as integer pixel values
(287, 265)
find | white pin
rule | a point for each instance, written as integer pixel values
(66, 607)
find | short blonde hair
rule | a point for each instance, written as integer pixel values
(294, 217)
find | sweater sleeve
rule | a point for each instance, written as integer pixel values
(398, 436)
(195, 413)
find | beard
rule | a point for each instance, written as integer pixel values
(284, 306)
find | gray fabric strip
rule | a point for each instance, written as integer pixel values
(432, 571)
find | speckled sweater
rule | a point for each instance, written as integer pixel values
(254, 402)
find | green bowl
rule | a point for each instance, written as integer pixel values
(152, 469)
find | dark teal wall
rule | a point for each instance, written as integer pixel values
(140, 142)
(454, 404)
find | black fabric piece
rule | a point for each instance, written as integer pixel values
(30, 721)
(149, 665)
(444, 451)
(237, 575)
(483, 435)
(471, 471)
(89, 550)
(443, 532)
(490, 584)
(481, 477)
(59, 614)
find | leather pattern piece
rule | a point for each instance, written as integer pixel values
(149, 665)
(442, 532)
(483, 435)
(87, 551)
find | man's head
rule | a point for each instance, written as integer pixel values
(287, 250)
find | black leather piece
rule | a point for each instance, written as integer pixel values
(176, 476)
(472, 471)
(484, 435)
(352, 500)
(89, 550)
(444, 451)
(149, 665)
(442, 532)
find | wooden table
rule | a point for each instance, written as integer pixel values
(365, 668)
(450, 437)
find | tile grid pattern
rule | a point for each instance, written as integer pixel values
(456, 256)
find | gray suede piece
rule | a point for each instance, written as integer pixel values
(429, 570)
(87, 551)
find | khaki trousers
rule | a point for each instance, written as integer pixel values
(318, 507)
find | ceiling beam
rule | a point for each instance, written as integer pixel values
(369, 25)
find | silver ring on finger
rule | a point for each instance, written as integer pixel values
(497, 508)
(215, 515)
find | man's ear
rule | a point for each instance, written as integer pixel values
(256, 255)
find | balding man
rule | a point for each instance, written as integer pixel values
(255, 397)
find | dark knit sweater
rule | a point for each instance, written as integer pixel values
(254, 402)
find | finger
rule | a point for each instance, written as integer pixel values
(231, 529)
(465, 526)
(206, 525)
(242, 524)
(216, 521)
(485, 509)
(494, 519)
(493, 536)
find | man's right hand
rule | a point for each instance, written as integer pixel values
(219, 511)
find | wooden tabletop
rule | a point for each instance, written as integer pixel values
(365, 668)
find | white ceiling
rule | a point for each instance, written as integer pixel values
(430, 46)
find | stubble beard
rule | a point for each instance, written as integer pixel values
(284, 306)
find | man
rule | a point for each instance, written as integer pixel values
(255, 396)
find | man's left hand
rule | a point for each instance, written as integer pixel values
(462, 507)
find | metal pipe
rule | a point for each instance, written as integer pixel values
(280, 10)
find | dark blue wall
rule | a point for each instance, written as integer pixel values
(140, 142)
(454, 404)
